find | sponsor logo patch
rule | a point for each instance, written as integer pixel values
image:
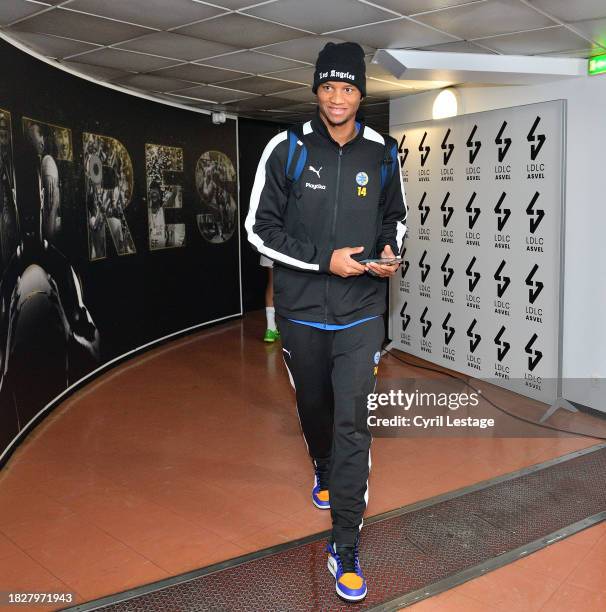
(315, 186)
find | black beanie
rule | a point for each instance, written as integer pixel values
(341, 62)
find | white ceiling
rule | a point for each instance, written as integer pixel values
(257, 59)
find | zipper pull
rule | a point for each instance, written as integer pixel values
(340, 150)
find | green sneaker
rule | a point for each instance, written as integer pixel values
(271, 335)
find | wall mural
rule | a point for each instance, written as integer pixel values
(118, 227)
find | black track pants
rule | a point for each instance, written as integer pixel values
(332, 373)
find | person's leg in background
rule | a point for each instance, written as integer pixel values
(356, 354)
(271, 332)
(307, 355)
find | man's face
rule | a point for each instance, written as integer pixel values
(63, 143)
(154, 195)
(37, 138)
(338, 101)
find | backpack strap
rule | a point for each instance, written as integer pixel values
(388, 165)
(297, 157)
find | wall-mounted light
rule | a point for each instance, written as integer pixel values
(218, 118)
(446, 104)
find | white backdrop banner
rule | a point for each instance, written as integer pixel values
(479, 291)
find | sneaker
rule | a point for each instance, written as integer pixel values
(319, 493)
(271, 335)
(344, 565)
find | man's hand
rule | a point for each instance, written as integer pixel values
(384, 270)
(343, 265)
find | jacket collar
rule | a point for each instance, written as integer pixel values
(319, 127)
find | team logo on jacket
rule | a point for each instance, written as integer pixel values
(362, 178)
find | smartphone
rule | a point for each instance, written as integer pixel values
(384, 261)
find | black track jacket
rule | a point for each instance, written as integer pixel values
(299, 228)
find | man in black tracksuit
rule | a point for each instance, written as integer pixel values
(329, 306)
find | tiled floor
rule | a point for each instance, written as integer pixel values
(192, 453)
(565, 577)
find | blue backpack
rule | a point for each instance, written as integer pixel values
(297, 157)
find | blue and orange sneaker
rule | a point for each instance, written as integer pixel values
(344, 565)
(319, 494)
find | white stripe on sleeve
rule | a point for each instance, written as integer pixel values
(255, 197)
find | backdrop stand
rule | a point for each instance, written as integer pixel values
(559, 403)
(387, 348)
